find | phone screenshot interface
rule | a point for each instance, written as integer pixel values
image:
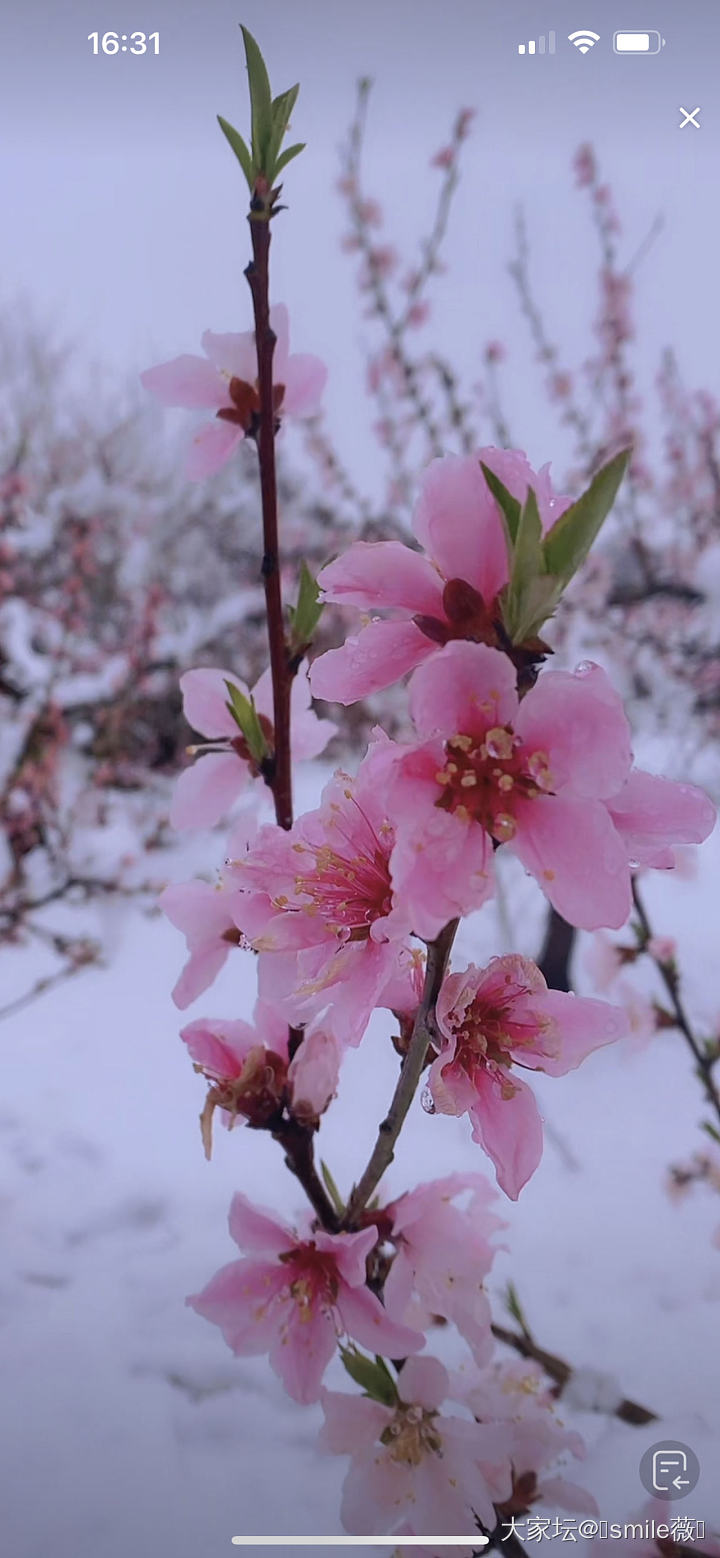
(359, 719)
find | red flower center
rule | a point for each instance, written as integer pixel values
(484, 777)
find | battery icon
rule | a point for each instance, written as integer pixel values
(650, 42)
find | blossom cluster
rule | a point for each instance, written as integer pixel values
(339, 909)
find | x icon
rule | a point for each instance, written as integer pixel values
(689, 118)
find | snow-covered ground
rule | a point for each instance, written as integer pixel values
(128, 1428)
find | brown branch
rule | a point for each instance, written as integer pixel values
(258, 280)
(297, 1140)
(423, 1034)
(561, 1372)
(671, 980)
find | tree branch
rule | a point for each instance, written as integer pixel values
(258, 280)
(411, 1070)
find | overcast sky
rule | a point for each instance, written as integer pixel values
(127, 209)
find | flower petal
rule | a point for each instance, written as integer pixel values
(509, 1129)
(579, 1025)
(207, 790)
(571, 847)
(579, 720)
(465, 688)
(205, 700)
(305, 380)
(188, 382)
(233, 355)
(652, 814)
(256, 1229)
(368, 1323)
(374, 574)
(211, 448)
(380, 655)
(458, 522)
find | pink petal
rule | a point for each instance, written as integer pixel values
(205, 700)
(577, 856)
(581, 1026)
(211, 448)
(380, 655)
(373, 574)
(218, 1045)
(509, 1130)
(440, 869)
(651, 814)
(424, 1382)
(368, 1323)
(240, 1299)
(280, 324)
(207, 790)
(314, 1073)
(351, 1422)
(580, 722)
(349, 1251)
(187, 381)
(257, 1230)
(233, 355)
(464, 689)
(310, 735)
(201, 969)
(301, 1352)
(458, 523)
(305, 379)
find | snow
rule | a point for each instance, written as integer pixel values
(133, 1429)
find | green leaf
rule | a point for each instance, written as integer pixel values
(537, 603)
(515, 1308)
(527, 565)
(245, 716)
(260, 100)
(509, 506)
(286, 157)
(282, 108)
(711, 1130)
(567, 544)
(332, 1189)
(240, 149)
(372, 1375)
(305, 616)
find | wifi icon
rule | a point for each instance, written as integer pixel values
(584, 40)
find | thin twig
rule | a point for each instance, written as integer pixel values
(671, 980)
(258, 281)
(561, 1372)
(423, 1034)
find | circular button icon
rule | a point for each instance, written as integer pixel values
(669, 1470)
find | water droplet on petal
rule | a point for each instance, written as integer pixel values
(426, 1099)
(585, 668)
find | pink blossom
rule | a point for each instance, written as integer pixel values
(444, 158)
(585, 165)
(294, 1294)
(318, 903)
(225, 381)
(413, 1466)
(313, 1075)
(662, 948)
(550, 778)
(443, 1255)
(204, 914)
(447, 591)
(515, 1394)
(246, 1063)
(207, 790)
(496, 1018)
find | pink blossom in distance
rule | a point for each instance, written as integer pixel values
(495, 1019)
(206, 791)
(412, 1466)
(294, 1295)
(549, 777)
(225, 381)
(447, 591)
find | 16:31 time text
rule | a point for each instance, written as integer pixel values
(124, 43)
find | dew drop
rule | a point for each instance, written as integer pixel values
(585, 668)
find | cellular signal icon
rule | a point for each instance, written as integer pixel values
(584, 40)
(539, 46)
